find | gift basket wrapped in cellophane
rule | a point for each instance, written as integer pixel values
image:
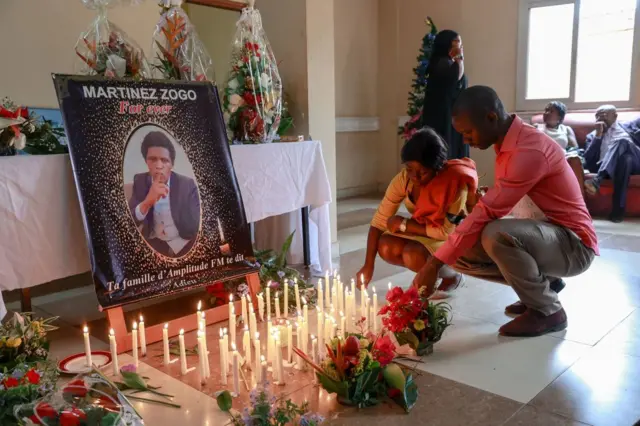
(253, 92)
(105, 50)
(177, 51)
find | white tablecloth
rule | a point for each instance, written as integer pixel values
(41, 233)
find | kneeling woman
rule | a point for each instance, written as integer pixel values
(437, 192)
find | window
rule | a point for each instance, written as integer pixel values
(580, 52)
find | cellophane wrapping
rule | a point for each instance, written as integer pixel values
(105, 50)
(252, 100)
(178, 52)
(90, 398)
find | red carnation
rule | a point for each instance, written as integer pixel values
(384, 350)
(33, 377)
(10, 382)
(252, 99)
(44, 410)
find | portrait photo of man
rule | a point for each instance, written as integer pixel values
(164, 204)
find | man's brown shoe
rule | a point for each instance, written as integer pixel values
(535, 323)
(519, 308)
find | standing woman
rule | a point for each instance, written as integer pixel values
(445, 80)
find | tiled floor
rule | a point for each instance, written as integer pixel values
(586, 375)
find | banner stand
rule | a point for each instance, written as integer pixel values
(187, 323)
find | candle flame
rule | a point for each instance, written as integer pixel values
(233, 346)
(341, 313)
(182, 331)
(295, 280)
(225, 330)
(246, 328)
(362, 278)
(231, 298)
(373, 288)
(166, 325)
(257, 336)
(141, 319)
(304, 301)
(135, 325)
(389, 285)
(288, 323)
(112, 332)
(199, 304)
(221, 333)
(262, 358)
(85, 329)
(313, 337)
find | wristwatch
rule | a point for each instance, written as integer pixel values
(403, 225)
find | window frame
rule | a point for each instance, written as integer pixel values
(524, 104)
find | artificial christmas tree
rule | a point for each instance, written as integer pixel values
(416, 96)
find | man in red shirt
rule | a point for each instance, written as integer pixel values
(531, 256)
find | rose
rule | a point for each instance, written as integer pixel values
(33, 377)
(72, 417)
(10, 382)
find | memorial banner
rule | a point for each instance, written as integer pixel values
(161, 205)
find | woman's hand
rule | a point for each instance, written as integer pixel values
(394, 223)
(364, 275)
(456, 52)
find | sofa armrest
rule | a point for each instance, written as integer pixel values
(576, 165)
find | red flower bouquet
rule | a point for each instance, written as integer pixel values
(414, 319)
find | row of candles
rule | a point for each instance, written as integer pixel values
(332, 294)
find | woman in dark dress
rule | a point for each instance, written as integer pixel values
(445, 81)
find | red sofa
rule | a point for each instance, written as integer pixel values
(582, 124)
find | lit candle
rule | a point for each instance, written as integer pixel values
(261, 306)
(305, 310)
(232, 324)
(374, 315)
(165, 344)
(253, 326)
(327, 293)
(298, 345)
(320, 324)
(270, 343)
(285, 309)
(269, 299)
(327, 330)
(134, 342)
(201, 367)
(363, 302)
(343, 324)
(256, 346)
(183, 353)
(389, 286)
(280, 365)
(236, 373)
(289, 341)
(246, 344)
(227, 359)
(334, 327)
(297, 292)
(263, 369)
(347, 305)
(353, 286)
(223, 361)
(277, 302)
(362, 280)
(207, 368)
(245, 313)
(143, 337)
(320, 295)
(87, 347)
(314, 354)
(114, 352)
(339, 294)
(203, 320)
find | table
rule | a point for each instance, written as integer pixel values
(42, 238)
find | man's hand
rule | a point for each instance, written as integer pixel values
(393, 223)
(599, 129)
(157, 191)
(364, 275)
(472, 199)
(428, 276)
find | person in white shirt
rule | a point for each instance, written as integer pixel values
(164, 202)
(553, 126)
(613, 151)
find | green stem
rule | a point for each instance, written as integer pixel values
(138, 398)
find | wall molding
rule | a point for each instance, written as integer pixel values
(357, 124)
(355, 191)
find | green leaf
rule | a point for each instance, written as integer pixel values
(282, 256)
(133, 380)
(331, 386)
(407, 338)
(224, 400)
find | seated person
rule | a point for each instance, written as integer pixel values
(164, 202)
(438, 193)
(553, 117)
(613, 151)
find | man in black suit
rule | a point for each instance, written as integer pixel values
(164, 202)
